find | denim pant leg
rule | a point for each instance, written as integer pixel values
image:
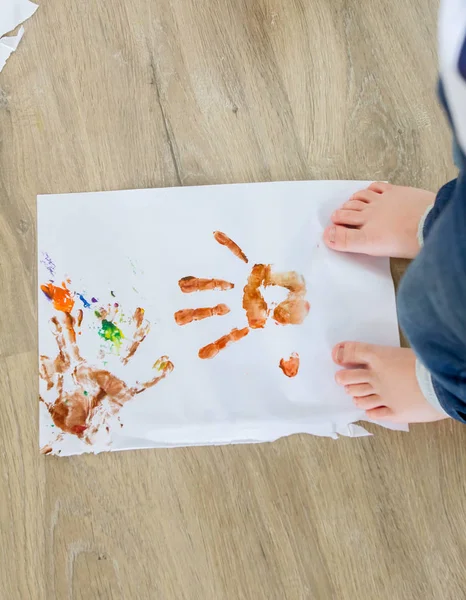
(432, 299)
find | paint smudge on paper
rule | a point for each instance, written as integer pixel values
(224, 240)
(292, 311)
(87, 396)
(86, 304)
(60, 297)
(135, 268)
(79, 317)
(48, 263)
(290, 367)
(188, 315)
(214, 348)
(110, 332)
(190, 284)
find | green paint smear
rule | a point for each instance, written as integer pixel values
(109, 331)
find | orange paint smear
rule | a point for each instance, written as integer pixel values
(224, 240)
(290, 367)
(292, 311)
(190, 284)
(60, 297)
(188, 315)
(79, 318)
(213, 349)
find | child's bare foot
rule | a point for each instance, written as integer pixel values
(382, 381)
(382, 220)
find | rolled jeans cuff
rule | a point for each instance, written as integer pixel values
(420, 229)
(424, 380)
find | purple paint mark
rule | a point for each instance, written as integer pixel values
(48, 263)
(94, 300)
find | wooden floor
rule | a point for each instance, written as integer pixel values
(110, 95)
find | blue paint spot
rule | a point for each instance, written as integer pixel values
(86, 304)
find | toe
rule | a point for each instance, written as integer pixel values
(379, 413)
(367, 196)
(360, 391)
(348, 217)
(353, 353)
(344, 239)
(380, 187)
(371, 402)
(352, 376)
(354, 205)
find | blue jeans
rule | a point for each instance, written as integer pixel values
(432, 297)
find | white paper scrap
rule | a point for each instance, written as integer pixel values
(14, 12)
(202, 315)
(8, 44)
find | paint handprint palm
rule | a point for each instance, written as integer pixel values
(87, 396)
(292, 311)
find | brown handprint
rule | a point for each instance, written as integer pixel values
(292, 311)
(87, 396)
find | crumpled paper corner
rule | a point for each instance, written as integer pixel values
(12, 13)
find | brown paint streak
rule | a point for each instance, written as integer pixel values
(190, 284)
(224, 240)
(213, 349)
(188, 315)
(46, 450)
(79, 318)
(290, 367)
(142, 329)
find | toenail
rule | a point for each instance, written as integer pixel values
(332, 234)
(340, 353)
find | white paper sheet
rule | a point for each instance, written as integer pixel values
(14, 12)
(131, 248)
(8, 44)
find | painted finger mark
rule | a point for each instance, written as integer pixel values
(190, 284)
(214, 348)
(224, 240)
(164, 366)
(290, 367)
(292, 311)
(188, 315)
(142, 329)
(253, 300)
